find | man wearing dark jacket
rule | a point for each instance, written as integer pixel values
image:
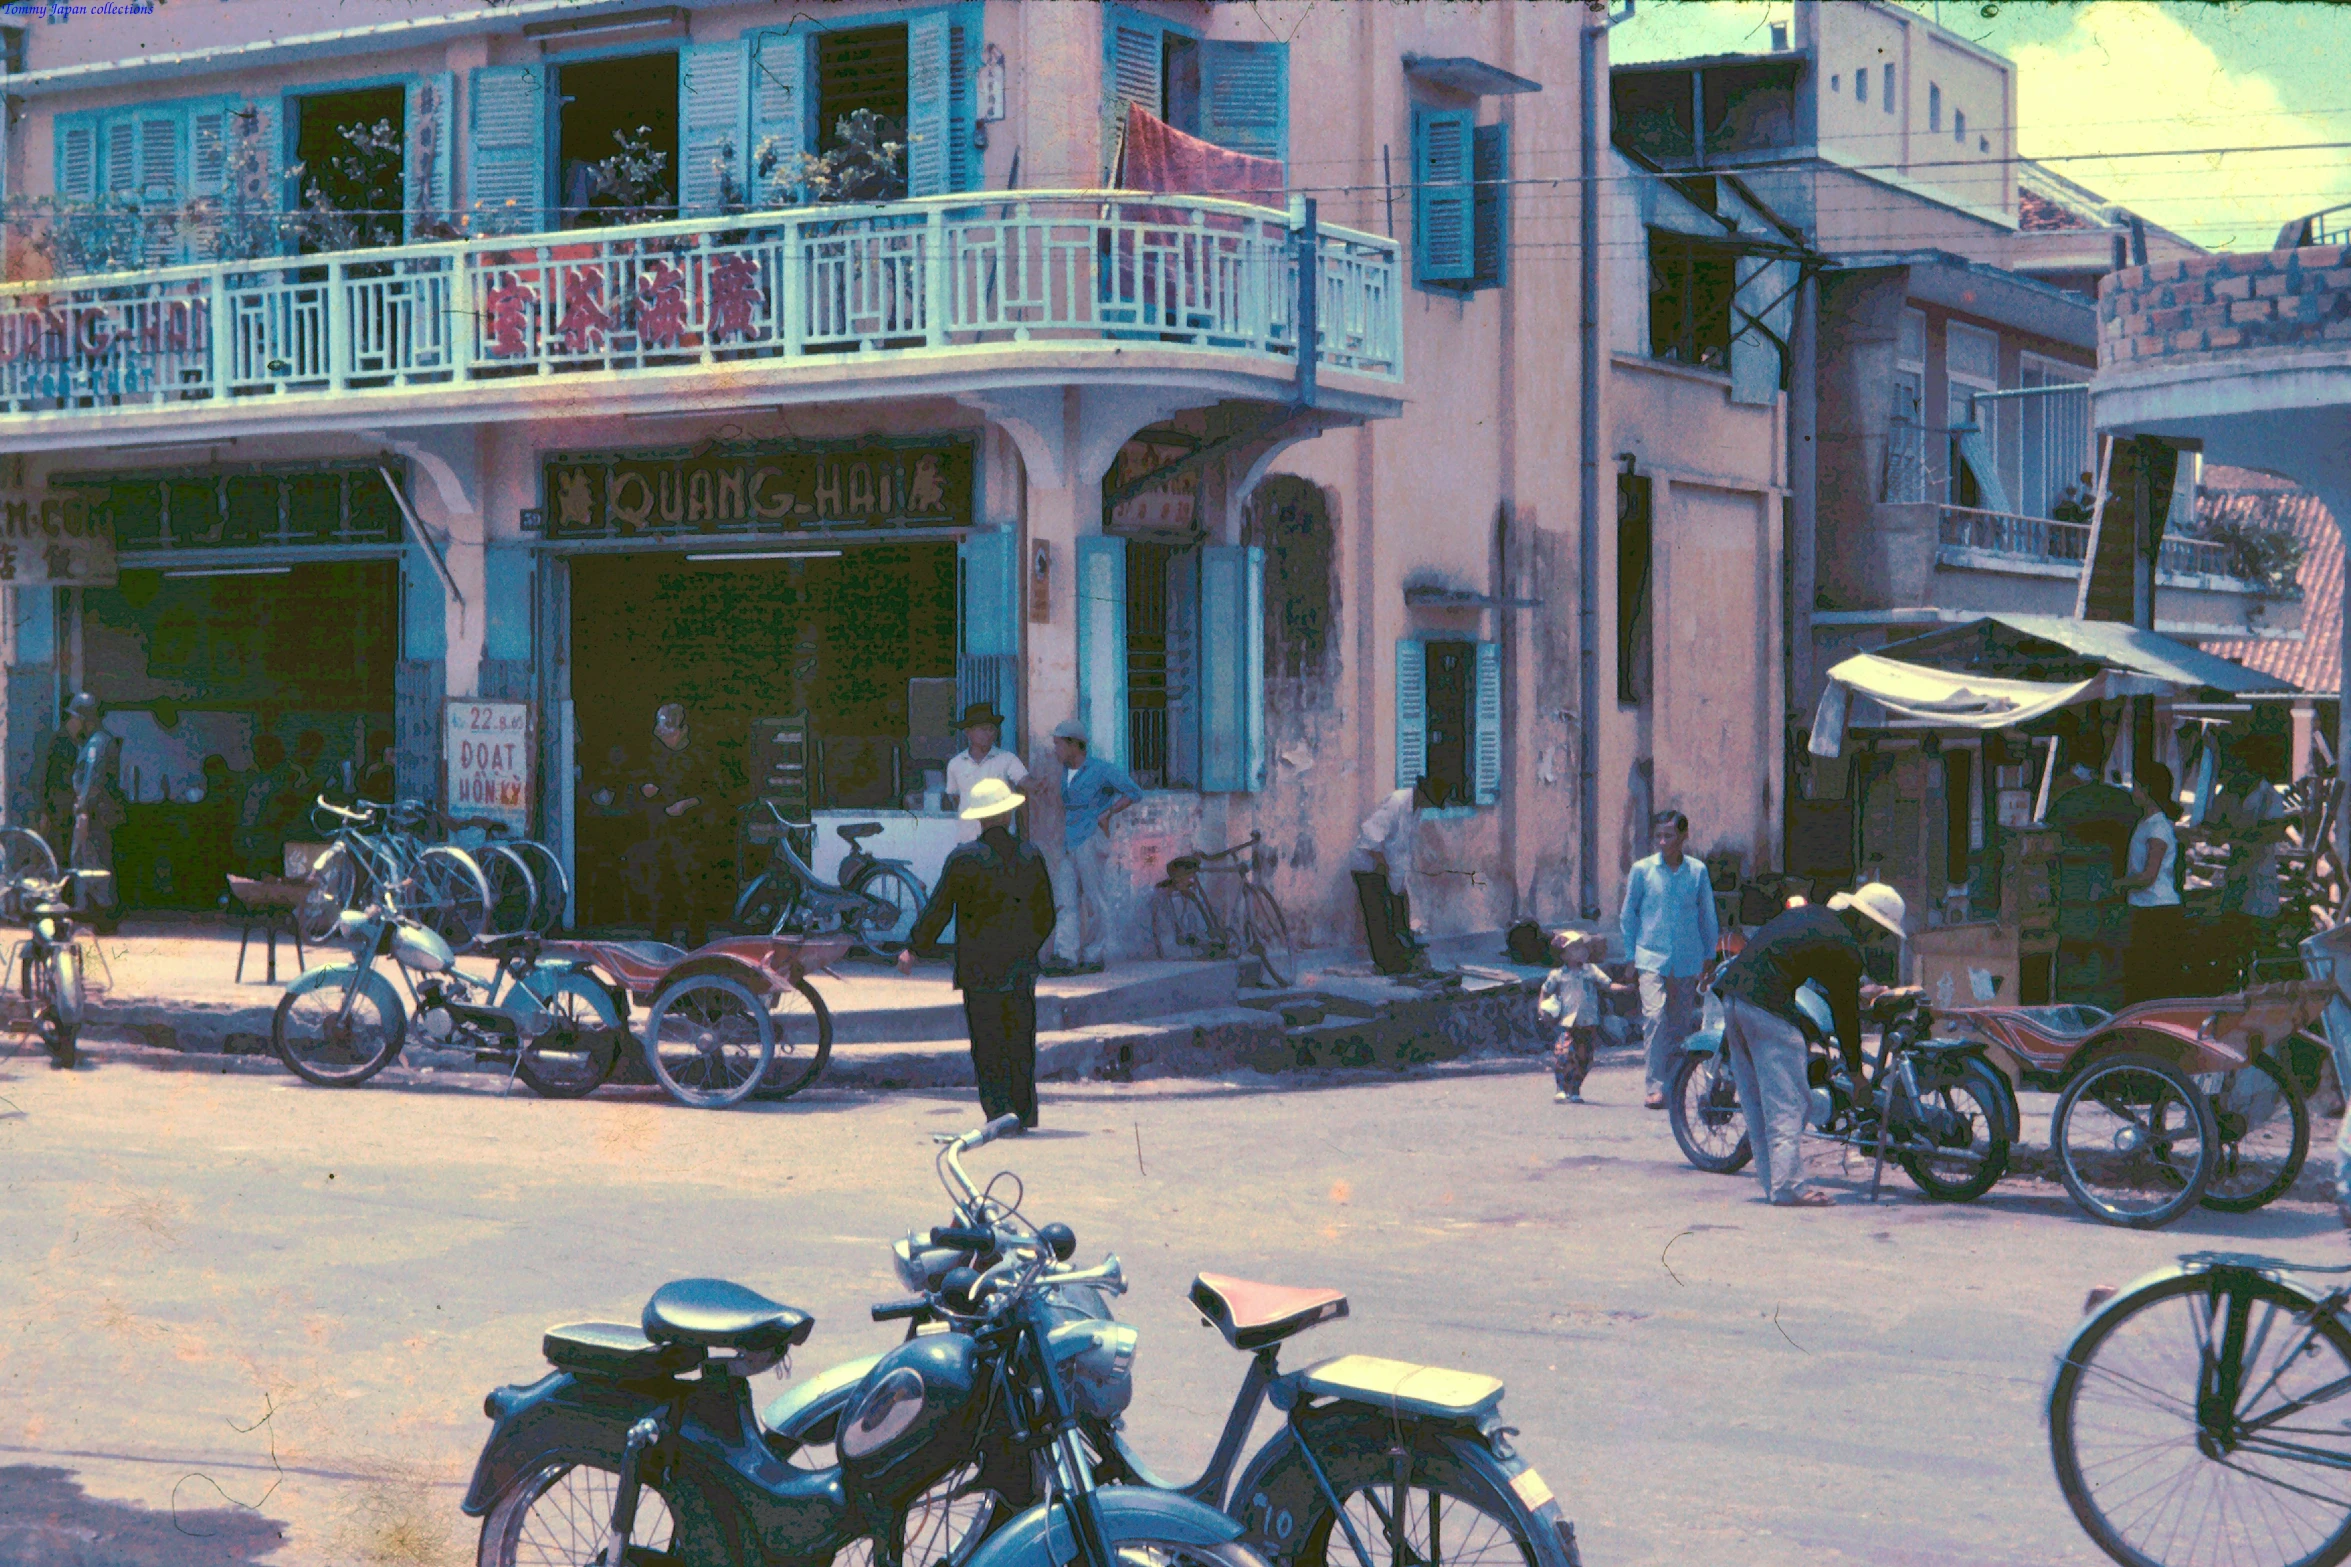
(1760, 1031)
(997, 892)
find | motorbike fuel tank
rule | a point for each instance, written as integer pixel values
(911, 1421)
(415, 947)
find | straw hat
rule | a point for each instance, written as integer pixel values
(989, 797)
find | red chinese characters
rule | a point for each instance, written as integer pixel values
(586, 318)
(507, 306)
(735, 297)
(661, 308)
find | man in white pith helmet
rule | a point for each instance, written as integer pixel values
(1760, 1030)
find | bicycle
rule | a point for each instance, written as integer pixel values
(528, 888)
(2204, 1416)
(1185, 923)
(377, 845)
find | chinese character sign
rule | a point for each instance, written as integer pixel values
(58, 539)
(487, 749)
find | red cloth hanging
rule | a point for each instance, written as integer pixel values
(1155, 156)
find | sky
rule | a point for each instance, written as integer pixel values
(2099, 77)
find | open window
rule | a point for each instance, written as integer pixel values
(1235, 94)
(1691, 285)
(1449, 717)
(350, 147)
(617, 151)
(912, 74)
(1171, 660)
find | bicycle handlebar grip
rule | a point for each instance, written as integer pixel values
(962, 1239)
(1002, 1126)
(899, 1310)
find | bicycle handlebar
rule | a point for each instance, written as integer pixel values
(365, 812)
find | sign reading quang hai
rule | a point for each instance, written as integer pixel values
(834, 488)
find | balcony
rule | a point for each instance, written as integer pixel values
(786, 305)
(2196, 586)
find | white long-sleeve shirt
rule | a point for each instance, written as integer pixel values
(1386, 839)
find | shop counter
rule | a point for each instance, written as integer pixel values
(921, 838)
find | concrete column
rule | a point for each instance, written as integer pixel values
(447, 490)
(2305, 716)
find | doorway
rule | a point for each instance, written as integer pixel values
(616, 152)
(352, 149)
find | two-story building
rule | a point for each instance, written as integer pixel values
(588, 354)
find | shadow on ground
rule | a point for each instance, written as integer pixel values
(47, 1520)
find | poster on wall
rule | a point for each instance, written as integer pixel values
(486, 748)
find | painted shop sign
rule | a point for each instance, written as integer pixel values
(60, 539)
(870, 486)
(486, 748)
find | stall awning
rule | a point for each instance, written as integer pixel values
(1956, 700)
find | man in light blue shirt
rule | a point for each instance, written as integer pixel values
(1094, 791)
(1670, 930)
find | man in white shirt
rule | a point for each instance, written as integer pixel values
(982, 726)
(1383, 854)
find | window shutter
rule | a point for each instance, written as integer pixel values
(506, 149)
(1441, 200)
(1232, 668)
(1245, 97)
(1412, 711)
(1976, 452)
(712, 125)
(208, 148)
(160, 174)
(257, 156)
(927, 160)
(77, 159)
(988, 669)
(427, 195)
(1134, 56)
(1486, 737)
(1490, 207)
(780, 106)
(962, 161)
(121, 157)
(1102, 644)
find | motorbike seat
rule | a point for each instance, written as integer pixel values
(1252, 1315)
(856, 830)
(617, 1351)
(718, 1314)
(1403, 1388)
(507, 945)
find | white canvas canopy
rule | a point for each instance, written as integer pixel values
(1958, 701)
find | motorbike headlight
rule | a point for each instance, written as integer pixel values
(353, 921)
(1096, 1361)
(46, 928)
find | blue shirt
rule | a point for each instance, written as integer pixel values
(1086, 791)
(1669, 925)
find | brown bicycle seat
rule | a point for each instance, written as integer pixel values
(1252, 1315)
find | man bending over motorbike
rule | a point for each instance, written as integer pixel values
(1760, 1030)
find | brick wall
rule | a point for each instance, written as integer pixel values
(2181, 310)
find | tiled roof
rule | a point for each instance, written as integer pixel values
(2036, 212)
(2240, 495)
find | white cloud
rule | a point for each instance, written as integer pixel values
(2128, 76)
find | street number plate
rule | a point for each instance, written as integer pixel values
(1531, 1489)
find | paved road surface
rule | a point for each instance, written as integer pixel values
(248, 1320)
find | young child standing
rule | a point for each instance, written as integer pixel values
(1571, 999)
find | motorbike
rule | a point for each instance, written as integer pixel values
(990, 1436)
(1934, 1106)
(552, 1022)
(47, 964)
(874, 901)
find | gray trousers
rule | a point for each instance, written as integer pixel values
(1767, 1062)
(1669, 1011)
(1081, 897)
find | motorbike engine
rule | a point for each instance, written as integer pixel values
(437, 1022)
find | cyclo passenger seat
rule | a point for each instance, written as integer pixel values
(856, 830)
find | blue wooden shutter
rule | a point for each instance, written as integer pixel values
(928, 165)
(962, 157)
(431, 132)
(1134, 54)
(1245, 97)
(1102, 645)
(257, 168)
(988, 668)
(1490, 207)
(713, 125)
(1486, 727)
(1232, 668)
(1412, 711)
(209, 128)
(1442, 217)
(506, 149)
(780, 106)
(77, 157)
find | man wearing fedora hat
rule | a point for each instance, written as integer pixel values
(996, 890)
(982, 727)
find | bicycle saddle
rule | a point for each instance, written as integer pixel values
(1252, 1315)
(856, 830)
(718, 1314)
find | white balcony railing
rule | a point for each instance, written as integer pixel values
(2195, 557)
(2020, 538)
(939, 273)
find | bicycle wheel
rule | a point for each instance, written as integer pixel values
(1704, 1110)
(902, 894)
(553, 909)
(2155, 1457)
(514, 891)
(2134, 1140)
(452, 895)
(760, 909)
(1266, 933)
(1180, 924)
(573, 1060)
(24, 852)
(334, 884)
(1965, 1117)
(322, 1045)
(54, 987)
(2264, 1136)
(803, 1027)
(560, 1512)
(708, 1041)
